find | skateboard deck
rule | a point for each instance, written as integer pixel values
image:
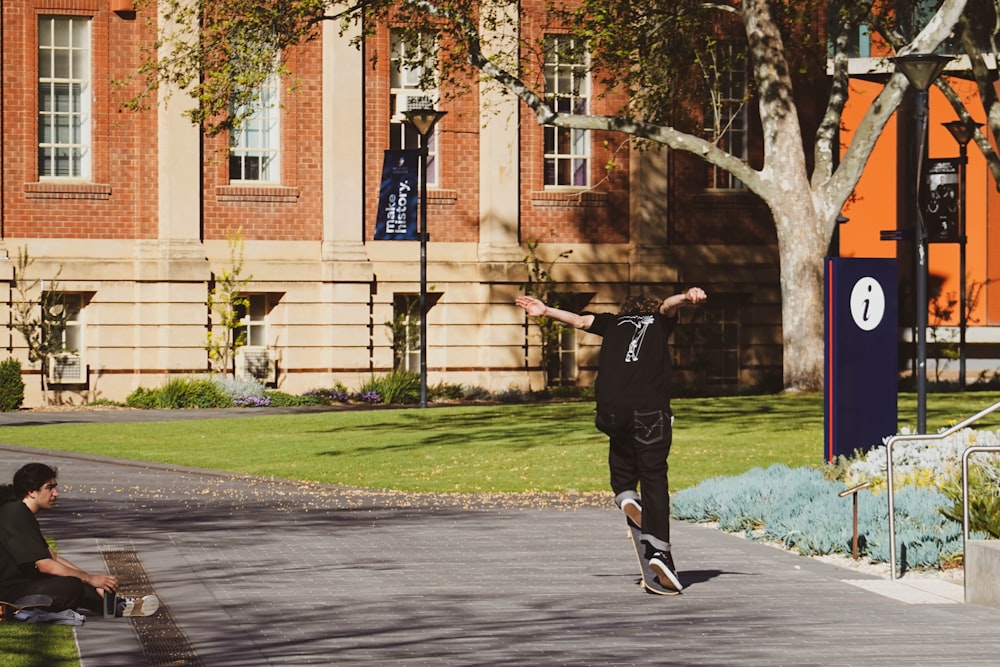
(650, 581)
(8, 609)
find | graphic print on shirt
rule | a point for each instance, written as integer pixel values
(641, 324)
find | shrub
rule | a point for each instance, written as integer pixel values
(937, 465)
(236, 387)
(180, 393)
(280, 399)
(11, 385)
(512, 395)
(801, 509)
(367, 397)
(984, 495)
(337, 394)
(98, 402)
(398, 387)
(142, 398)
(251, 402)
(475, 394)
(446, 391)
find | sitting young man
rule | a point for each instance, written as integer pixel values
(28, 567)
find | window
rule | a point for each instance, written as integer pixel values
(64, 91)
(255, 146)
(726, 112)
(710, 343)
(567, 90)
(411, 67)
(253, 320)
(63, 313)
(405, 328)
(561, 371)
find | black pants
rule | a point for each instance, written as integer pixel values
(637, 459)
(66, 593)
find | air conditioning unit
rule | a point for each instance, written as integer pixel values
(254, 361)
(67, 369)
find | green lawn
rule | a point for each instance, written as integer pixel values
(511, 448)
(508, 448)
(37, 645)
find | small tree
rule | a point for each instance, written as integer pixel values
(542, 286)
(404, 328)
(226, 302)
(39, 315)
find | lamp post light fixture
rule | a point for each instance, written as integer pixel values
(423, 121)
(962, 131)
(921, 69)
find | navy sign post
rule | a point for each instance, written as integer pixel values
(861, 357)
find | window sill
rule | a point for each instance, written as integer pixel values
(67, 190)
(438, 197)
(570, 198)
(257, 193)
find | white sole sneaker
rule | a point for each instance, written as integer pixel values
(633, 511)
(665, 575)
(144, 606)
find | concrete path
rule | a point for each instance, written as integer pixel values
(263, 572)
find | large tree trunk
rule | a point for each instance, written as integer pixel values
(801, 250)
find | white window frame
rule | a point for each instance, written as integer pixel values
(567, 90)
(71, 334)
(727, 114)
(253, 321)
(406, 306)
(565, 359)
(64, 98)
(405, 93)
(255, 145)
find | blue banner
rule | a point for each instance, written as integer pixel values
(397, 200)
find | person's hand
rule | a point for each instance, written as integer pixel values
(102, 582)
(695, 295)
(531, 305)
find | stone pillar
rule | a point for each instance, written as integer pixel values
(499, 154)
(343, 146)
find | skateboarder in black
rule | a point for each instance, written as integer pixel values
(633, 409)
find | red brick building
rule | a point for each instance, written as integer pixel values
(127, 213)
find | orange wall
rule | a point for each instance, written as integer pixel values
(873, 207)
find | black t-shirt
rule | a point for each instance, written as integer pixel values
(21, 544)
(635, 360)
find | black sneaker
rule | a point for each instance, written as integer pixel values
(663, 564)
(144, 606)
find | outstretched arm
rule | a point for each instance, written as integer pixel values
(536, 308)
(672, 304)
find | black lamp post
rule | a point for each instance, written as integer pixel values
(962, 131)
(423, 121)
(920, 70)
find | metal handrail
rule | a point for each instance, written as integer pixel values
(889, 481)
(969, 451)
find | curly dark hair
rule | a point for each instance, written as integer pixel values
(30, 477)
(640, 304)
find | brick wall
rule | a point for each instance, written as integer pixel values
(290, 210)
(120, 200)
(596, 215)
(453, 204)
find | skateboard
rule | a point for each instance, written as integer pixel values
(8, 609)
(650, 580)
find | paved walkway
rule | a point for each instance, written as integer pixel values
(261, 572)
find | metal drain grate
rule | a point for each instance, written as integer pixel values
(162, 640)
